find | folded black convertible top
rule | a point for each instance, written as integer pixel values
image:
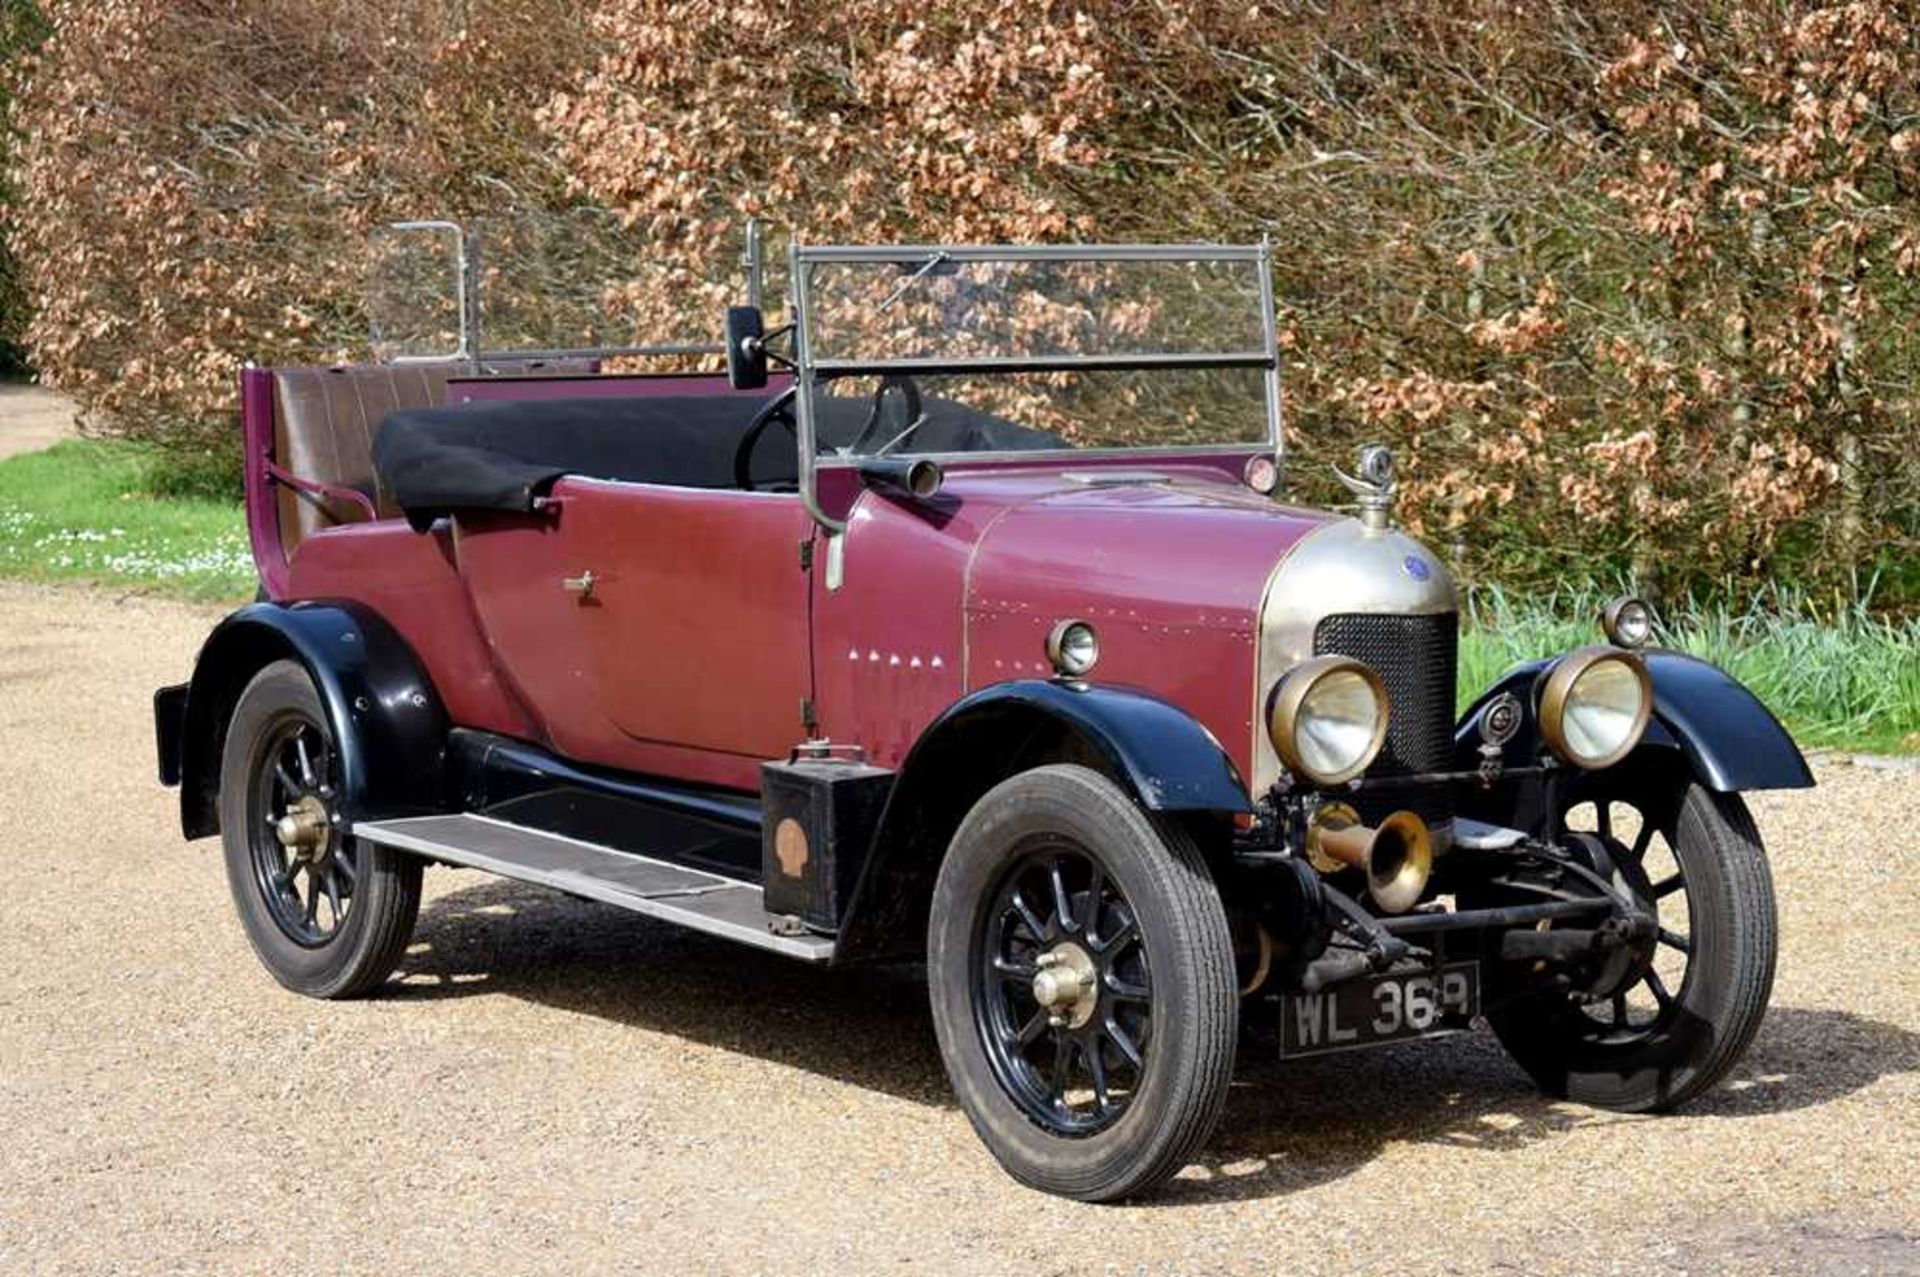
(502, 455)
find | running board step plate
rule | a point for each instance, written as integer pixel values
(691, 897)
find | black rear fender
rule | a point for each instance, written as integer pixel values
(1159, 753)
(390, 728)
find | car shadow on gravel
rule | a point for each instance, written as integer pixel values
(1288, 1126)
(1292, 1125)
(868, 1026)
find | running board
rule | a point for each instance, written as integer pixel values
(657, 888)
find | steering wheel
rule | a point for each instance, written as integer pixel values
(779, 408)
(909, 391)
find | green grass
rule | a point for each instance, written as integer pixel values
(1850, 680)
(80, 511)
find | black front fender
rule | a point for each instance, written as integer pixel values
(388, 723)
(1168, 761)
(1728, 738)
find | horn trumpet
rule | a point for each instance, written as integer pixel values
(1397, 856)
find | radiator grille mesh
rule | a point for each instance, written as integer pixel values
(1417, 658)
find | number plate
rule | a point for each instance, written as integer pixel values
(1388, 1008)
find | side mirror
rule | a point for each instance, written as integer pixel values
(746, 348)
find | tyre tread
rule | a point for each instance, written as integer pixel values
(388, 898)
(1736, 873)
(1194, 1098)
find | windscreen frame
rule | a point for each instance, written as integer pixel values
(812, 372)
(470, 347)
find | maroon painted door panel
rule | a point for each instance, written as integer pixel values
(696, 628)
(512, 565)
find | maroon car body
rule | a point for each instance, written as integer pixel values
(1132, 752)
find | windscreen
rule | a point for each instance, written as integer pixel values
(413, 290)
(925, 352)
(935, 307)
(552, 283)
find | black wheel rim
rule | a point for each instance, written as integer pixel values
(1638, 832)
(308, 885)
(1071, 1068)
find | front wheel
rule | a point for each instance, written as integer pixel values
(328, 915)
(1082, 981)
(1671, 1024)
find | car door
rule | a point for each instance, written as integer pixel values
(692, 606)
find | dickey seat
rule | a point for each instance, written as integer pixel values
(324, 423)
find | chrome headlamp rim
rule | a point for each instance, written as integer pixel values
(1060, 647)
(1559, 686)
(1627, 622)
(1290, 693)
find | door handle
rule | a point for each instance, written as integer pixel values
(581, 587)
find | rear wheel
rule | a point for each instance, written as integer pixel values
(328, 915)
(1082, 982)
(1671, 1025)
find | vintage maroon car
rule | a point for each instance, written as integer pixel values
(966, 620)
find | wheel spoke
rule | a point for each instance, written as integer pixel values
(1097, 1068)
(346, 867)
(313, 897)
(1090, 912)
(1674, 940)
(306, 762)
(1620, 1010)
(1014, 972)
(1124, 1043)
(1062, 905)
(1035, 928)
(1667, 886)
(1063, 1050)
(1659, 988)
(333, 898)
(285, 778)
(1643, 840)
(1122, 935)
(1073, 1062)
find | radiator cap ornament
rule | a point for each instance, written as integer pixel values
(1373, 485)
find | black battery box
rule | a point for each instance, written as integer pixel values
(820, 813)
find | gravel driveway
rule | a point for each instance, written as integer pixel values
(554, 1085)
(31, 418)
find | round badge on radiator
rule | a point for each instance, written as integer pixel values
(1501, 719)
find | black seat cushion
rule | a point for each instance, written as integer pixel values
(504, 454)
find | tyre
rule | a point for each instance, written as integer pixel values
(1678, 1018)
(1082, 982)
(328, 915)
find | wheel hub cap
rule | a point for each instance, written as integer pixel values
(303, 830)
(1067, 985)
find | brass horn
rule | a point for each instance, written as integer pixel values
(1397, 856)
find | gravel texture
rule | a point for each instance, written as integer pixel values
(554, 1085)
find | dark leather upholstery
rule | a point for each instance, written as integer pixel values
(323, 425)
(324, 421)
